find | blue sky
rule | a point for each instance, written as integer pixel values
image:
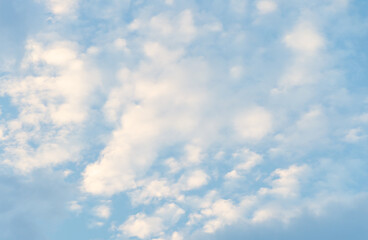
(172, 120)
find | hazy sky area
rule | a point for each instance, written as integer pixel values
(183, 119)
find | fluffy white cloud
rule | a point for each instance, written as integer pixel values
(253, 124)
(265, 6)
(193, 180)
(236, 72)
(75, 206)
(169, 106)
(102, 211)
(304, 39)
(287, 183)
(222, 212)
(144, 227)
(248, 160)
(354, 135)
(62, 7)
(177, 236)
(52, 102)
(310, 130)
(267, 213)
(178, 29)
(155, 189)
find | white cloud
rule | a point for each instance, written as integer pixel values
(102, 211)
(67, 172)
(287, 183)
(304, 39)
(62, 7)
(284, 214)
(363, 118)
(193, 180)
(194, 154)
(236, 72)
(308, 62)
(177, 236)
(265, 6)
(222, 212)
(153, 189)
(52, 102)
(160, 54)
(121, 44)
(170, 213)
(253, 124)
(248, 159)
(309, 131)
(178, 29)
(75, 206)
(162, 105)
(169, 2)
(354, 135)
(143, 226)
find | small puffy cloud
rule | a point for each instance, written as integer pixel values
(159, 53)
(248, 160)
(265, 6)
(354, 135)
(177, 236)
(287, 184)
(96, 224)
(304, 38)
(222, 212)
(310, 130)
(170, 213)
(268, 213)
(194, 154)
(101, 178)
(169, 2)
(178, 29)
(102, 211)
(67, 172)
(120, 44)
(144, 227)
(62, 7)
(193, 180)
(236, 72)
(58, 55)
(363, 118)
(153, 189)
(75, 206)
(253, 124)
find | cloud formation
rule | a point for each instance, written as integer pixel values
(172, 119)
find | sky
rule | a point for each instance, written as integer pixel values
(183, 119)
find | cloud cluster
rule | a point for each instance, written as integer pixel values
(184, 119)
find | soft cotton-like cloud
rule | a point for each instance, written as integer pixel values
(195, 119)
(193, 180)
(265, 7)
(102, 211)
(253, 124)
(304, 38)
(54, 98)
(143, 226)
(62, 7)
(287, 185)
